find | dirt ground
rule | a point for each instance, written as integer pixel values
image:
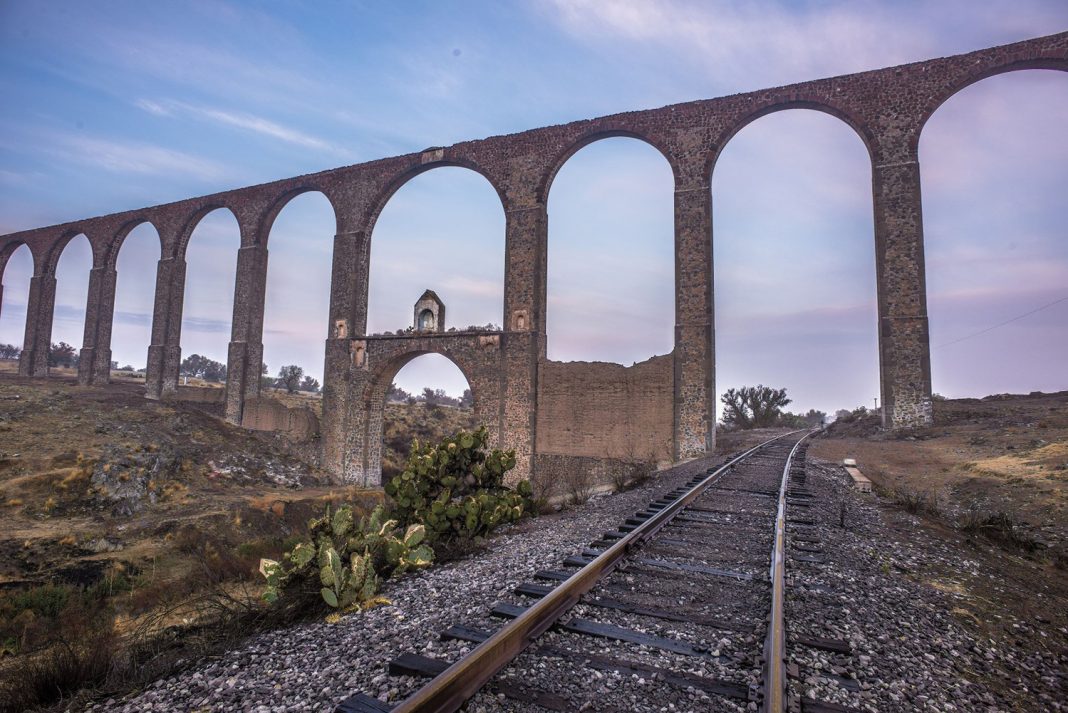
(93, 476)
(1001, 455)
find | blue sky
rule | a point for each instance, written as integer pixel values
(115, 105)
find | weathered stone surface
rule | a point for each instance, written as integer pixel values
(267, 414)
(125, 480)
(606, 411)
(886, 107)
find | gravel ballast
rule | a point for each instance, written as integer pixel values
(910, 649)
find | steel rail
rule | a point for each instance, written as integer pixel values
(775, 642)
(450, 689)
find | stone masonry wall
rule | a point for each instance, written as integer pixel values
(601, 410)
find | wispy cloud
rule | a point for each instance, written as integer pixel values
(152, 107)
(138, 318)
(259, 125)
(766, 42)
(133, 157)
(205, 324)
(241, 120)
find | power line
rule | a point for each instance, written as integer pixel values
(1007, 321)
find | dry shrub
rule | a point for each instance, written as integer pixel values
(1000, 527)
(578, 485)
(87, 656)
(215, 561)
(632, 474)
(915, 502)
(269, 504)
(543, 489)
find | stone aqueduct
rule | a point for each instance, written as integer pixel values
(516, 389)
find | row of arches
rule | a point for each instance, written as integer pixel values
(627, 185)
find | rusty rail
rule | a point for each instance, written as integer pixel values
(775, 642)
(448, 691)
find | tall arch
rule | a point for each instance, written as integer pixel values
(995, 169)
(794, 258)
(442, 229)
(71, 261)
(130, 333)
(16, 269)
(611, 253)
(859, 126)
(210, 254)
(299, 233)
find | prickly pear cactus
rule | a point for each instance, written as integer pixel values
(456, 490)
(348, 560)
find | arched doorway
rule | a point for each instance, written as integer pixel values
(428, 398)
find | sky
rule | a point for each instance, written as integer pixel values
(110, 106)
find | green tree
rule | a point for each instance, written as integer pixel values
(201, 367)
(467, 400)
(62, 354)
(753, 406)
(310, 385)
(289, 376)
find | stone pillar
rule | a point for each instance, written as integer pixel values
(904, 340)
(94, 366)
(523, 342)
(38, 337)
(344, 422)
(165, 351)
(694, 355)
(245, 355)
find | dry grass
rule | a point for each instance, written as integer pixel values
(1012, 451)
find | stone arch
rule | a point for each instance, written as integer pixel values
(8, 250)
(480, 379)
(278, 204)
(932, 105)
(416, 236)
(591, 137)
(378, 203)
(815, 104)
(204, 287)
(190, 225)
(810, 195)
(293, 319)
(123, 300)
(55, 249)
(6, 253)
(69, 286)
(606, 316)
(988, 263)
(114, 245)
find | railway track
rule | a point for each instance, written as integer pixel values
(682, 608)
